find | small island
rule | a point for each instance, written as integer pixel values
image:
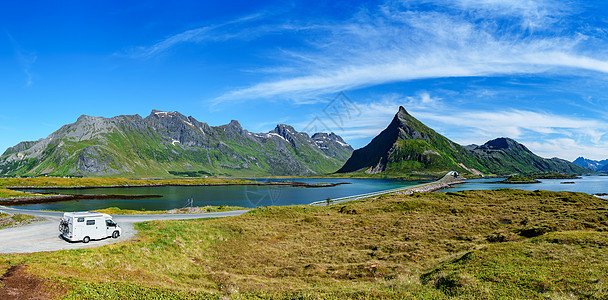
(519, 179)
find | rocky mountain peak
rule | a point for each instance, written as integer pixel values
(284, 130)
(235, 124)
(165, 114)
(322, 138)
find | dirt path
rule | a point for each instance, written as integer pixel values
(44, 236)
(18, 284)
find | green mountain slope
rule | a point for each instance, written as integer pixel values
(407, 145)
(166, 143)
(506, 156)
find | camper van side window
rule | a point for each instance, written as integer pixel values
(80, 219)
(90, 222)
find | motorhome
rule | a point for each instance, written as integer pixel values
(86, 226)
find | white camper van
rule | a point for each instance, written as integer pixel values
(86, 226)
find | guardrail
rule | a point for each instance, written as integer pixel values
(373, 194)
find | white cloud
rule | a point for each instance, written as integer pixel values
(395, 44)
(533, 13)
(197, 35)
(568, 149)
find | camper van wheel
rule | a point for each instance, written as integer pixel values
(115, 234)
(86, 239)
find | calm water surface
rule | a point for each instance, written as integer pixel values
(244, 196)
(587, 184)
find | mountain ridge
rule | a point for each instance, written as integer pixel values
(595, 165)
(166, 142)
(407, 145)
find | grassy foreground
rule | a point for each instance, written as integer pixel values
(504, 244)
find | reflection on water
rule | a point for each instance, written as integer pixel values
(237, 195)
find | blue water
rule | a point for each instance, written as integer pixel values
(587, 184)
(244, 196)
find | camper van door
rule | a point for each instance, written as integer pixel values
(94, 228)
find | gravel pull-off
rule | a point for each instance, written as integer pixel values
(44, 236)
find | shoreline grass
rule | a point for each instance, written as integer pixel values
(110, 181)
(192, 210)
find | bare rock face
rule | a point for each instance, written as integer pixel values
(167, 143)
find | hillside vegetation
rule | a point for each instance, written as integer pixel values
(408, 146)
(507, 244)
(167, 144)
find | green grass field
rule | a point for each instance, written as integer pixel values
(503, 244)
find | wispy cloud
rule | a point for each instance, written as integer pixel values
(396, 43)
(533, 14)
(25, 58)
(214, 32)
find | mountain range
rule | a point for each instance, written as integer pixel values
(595, 165)
(169, 143)
(407, 145)
(166, 143)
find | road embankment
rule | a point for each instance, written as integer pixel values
(444, 183)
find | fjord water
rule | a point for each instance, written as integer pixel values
(585, 184)
(234, 195)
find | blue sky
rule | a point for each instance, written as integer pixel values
(535, 71)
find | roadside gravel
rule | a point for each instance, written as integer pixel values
(44, 235)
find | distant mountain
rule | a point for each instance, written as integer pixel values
(167, 143)
(595, 165)
(407, 145)
(506, 156)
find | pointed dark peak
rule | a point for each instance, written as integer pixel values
(402, 111)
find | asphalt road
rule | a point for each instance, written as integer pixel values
(44, 235)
